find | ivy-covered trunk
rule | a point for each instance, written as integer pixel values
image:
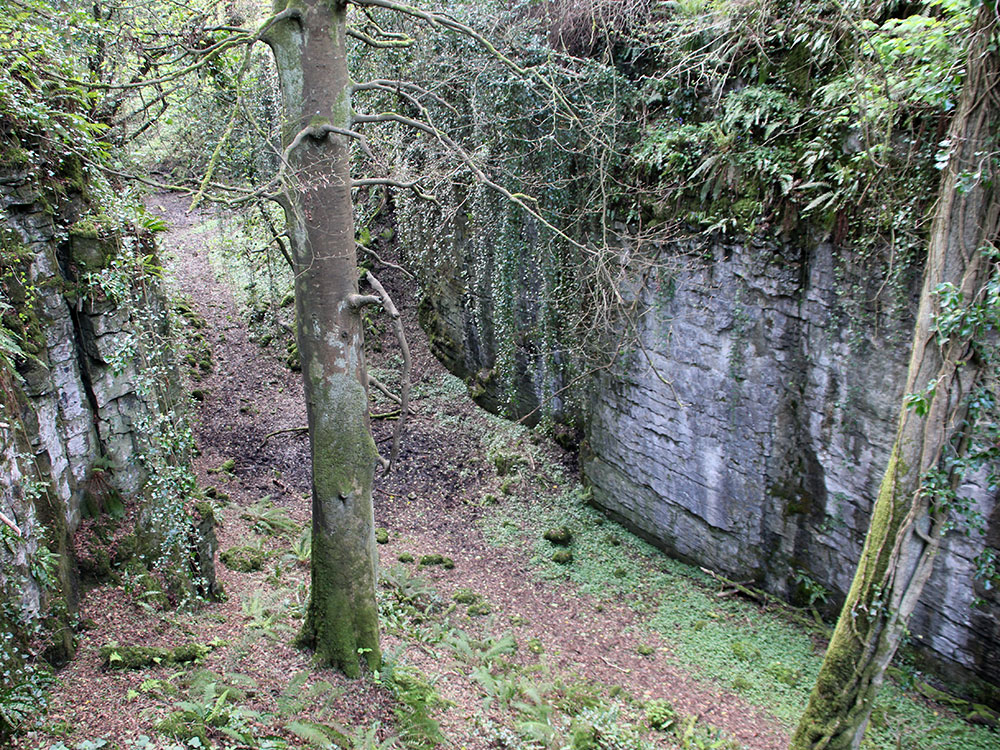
(910, 510)
(308, 40)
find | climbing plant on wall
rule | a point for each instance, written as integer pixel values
(60, 168)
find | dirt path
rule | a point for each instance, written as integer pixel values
(426, 506)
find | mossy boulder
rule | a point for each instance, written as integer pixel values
(560, 535)
(91, 243)
(437, 559)
(205, 511)
(191, 318)
(381, 536)
(244, 559)
(506, 463)
(226, 467)
(562, 556)
(477, 605)
(214, 493)
(984, 716)
(292, 361)
(189, 652)
(466, 596)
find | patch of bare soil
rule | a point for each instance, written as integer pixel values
(251, 402)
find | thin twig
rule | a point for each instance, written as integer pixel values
(615, 666)
(386, 263)
(270, 435)
(10, 523)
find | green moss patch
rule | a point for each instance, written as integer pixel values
(562, 556)
(243, 559)
(217, 495)
(437, 559)
(466, 596)
(560, 535)
(292, 361)
(226, 467)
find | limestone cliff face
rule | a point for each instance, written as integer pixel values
(752, 434)
(80, 405)
(74, 421)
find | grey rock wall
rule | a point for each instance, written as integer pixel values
(751, 436)
(762, 457)
(78, 405)
(72, 418)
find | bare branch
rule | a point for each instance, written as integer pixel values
(277, 237)
(217, 153)
(404, 396)
(382, 388)
(386, 263)
(378, 43)
(389, 182)
(436, 19)
(268, 436)
(526, 202)
(319, 132)
(10, 523)
(405, 89)
(358, 301)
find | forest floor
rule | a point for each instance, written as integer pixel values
(499, 646)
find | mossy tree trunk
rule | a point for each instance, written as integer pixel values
(309, 47)
(906, 525)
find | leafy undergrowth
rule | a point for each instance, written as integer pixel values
(760, 653)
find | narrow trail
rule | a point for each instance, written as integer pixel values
(428, 505)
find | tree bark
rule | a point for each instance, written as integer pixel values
(310, 52)
(906, 526)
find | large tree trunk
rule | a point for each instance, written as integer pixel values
(310, 52)
(906, 525)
